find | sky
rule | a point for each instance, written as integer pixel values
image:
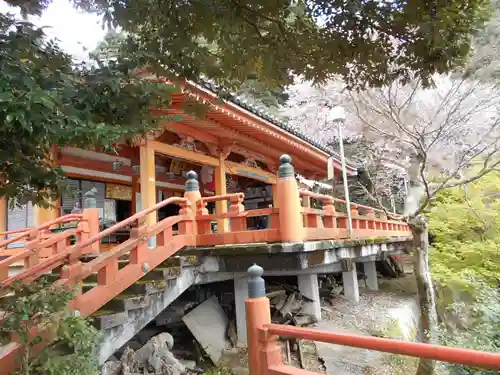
(75, 30)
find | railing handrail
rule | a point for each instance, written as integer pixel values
(225, 197)
(28, 231)
(77, 249)
(461, 356)
(328, 198)
(129, 220)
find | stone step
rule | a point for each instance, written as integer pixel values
(127, 302)
(163, 273)
(106, 319)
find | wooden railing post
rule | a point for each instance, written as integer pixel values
(238, 224)
(291, 223)
(329, 212)
(258, 315)
(192, 194)
(89, 227)
(370, 214)
(204, 226)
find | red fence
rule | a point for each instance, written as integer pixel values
(264, 355)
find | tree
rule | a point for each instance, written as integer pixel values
(366, 42)
(435, 139)
(483, 63)
(47, 100)
(40, 314)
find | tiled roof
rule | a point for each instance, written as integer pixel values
(261, 112)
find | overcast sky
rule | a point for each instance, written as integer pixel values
(75, 30)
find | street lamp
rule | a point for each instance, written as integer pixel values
(337, 116)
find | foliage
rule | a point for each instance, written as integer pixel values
(366, 42)
(484, 63)
(482, 332)
(43, 307)
(466, 237)
(47, 100)
(466, 230)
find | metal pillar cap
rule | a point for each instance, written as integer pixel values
(286, 168)
(256, 284)
(192, 182)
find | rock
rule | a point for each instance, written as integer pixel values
(190, 365)
(208, 322)
(240, 371)
(134, 344)
(145, 334)
(111, 368)
(156, 356)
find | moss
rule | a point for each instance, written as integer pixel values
(219, 371)
(402, 365)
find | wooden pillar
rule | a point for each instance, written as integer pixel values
(148, 185)
(221, 189)
(44, 214)
(306, 202)
(275, 195)
(135, 189)
(3, 217)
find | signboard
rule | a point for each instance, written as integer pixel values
(331, 170)
(119, 192)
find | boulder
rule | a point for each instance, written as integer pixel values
(156, 356)
(111, 368)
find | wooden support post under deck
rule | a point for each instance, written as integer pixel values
(148, 185)
(221, 189)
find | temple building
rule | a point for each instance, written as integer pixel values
(233, 147)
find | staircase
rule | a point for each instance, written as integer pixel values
(123, 289)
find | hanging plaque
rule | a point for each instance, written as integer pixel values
(119, 192)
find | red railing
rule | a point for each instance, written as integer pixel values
(27, 232)
(237, 216)
(40, 243)
(265, 358)
(111, 279)
(327, 223)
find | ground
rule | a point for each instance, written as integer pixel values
(391, 312)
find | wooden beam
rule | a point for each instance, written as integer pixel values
(250, 172)
(180, 128)
(181, 153)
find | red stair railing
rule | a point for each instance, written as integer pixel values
(264, 354)
(40, 243)
(111, 280)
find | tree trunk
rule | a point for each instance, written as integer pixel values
(425, 289)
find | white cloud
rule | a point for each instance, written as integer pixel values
(75, 30)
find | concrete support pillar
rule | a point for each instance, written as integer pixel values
(221, 189)
(240, 296)
(148, 186)
(308, 286)
(350, 281)
(370, 269)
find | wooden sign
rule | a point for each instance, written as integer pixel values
(331, 168)
(119, 192)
